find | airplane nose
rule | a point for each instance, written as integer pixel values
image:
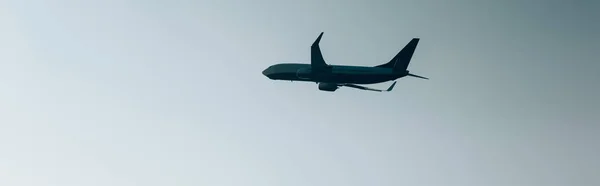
(268, 71)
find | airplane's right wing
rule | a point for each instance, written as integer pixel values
(316, 58)
(371, 89)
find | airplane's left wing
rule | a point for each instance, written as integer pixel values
(316, 57)
(371, 89)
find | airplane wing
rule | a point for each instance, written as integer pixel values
(371, 89)
(316, 57)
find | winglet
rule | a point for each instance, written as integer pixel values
(316, 43)
(316, 57)
(391, 87)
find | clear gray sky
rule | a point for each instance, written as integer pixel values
(157, 92)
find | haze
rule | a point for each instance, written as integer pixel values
(156, 92)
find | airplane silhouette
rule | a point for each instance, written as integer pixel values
(331, 77)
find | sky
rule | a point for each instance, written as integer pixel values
(156, 92)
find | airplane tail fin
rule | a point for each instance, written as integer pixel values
(402, 59)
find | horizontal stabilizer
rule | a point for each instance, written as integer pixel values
(417, 76)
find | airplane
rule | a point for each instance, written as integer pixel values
(331, 77)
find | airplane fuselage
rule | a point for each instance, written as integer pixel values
(338, 74)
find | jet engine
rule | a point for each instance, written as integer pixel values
(328, 87)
